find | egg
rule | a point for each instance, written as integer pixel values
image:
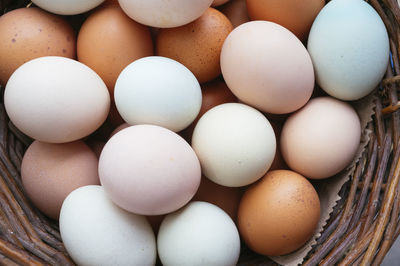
(198, 234)
(160, 91)
(296, 16)
(219, 2)
(235, 144)
(322, 138)
(236, 12)
(213, 93)
(197, 45)
(227, 198)
(95, 231)
(119, 128)
(267, 67)
(67, 7)
(122, 42)
(29, 33)
(65, 106)
(349, 47)
(149, 170)
(278, 214)
(164, 14)
(50, 172)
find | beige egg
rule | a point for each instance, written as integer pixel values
(51, 171)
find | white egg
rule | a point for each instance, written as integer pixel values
(349, 47)
(164, 14)
(198, 234)
(97, 232)
(235, 144)
(160, 91)
(56, 99)
(67, 7)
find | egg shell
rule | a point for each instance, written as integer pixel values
(122, 42)
(65, 106)
(213, 93)
(214, 242)
(278, 214)
(95, 231)
(119, 128)
(67, 7)
(149, 170)
(236, 12)
(267, 67)
(50, 172)
(164, 14)
(296, 16)
(160, 91)
(219, 2)
(227, 198)
(197, 45)
(349, 46)
(235, 144)
(322, 138)
(29, 33)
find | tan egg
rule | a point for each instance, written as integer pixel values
(213, 93)
(296, 16)
(29, 33)
(236, 12)
(197, 45)
(51, 171)
(109, 41)
(219, 2)
(278, 214)
(227, 198)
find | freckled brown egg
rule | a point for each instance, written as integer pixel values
(278, 214)
(198, 44)
(296, 16)
(50, 172)
(109, 41)
(29, 33)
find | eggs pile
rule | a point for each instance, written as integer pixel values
(178, 129)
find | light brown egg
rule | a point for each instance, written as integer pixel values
(213, 93)
(109, 41)
(236, 12)
(219, 2)
(51, 171)
(296, 16)
(29, 33)
(227, 198)
(278, 214)
(119, 128)
(197, 45)
(278, 162)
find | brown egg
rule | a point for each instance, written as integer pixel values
(278, 214)
(155, 222)
(51, 171)
(96, 146)
(278, 162)
(214, 93)
(236, 12)
(29, 33)
(109, 41)
(297, 16)
(119, 128)
(197, 45)
(219, 2)
(227, 198)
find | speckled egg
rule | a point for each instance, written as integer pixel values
(29, 33)
(197, 45)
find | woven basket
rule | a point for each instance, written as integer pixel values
(361, 229)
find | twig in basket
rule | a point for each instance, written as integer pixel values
(380, 132)
(376, 188)
(21, 257)
(341, 229)
(383, 218)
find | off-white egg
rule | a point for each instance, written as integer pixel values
(235, 144)
(160, 91)
(97, 232)
(198, 234)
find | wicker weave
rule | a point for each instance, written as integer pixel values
(361, 229)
